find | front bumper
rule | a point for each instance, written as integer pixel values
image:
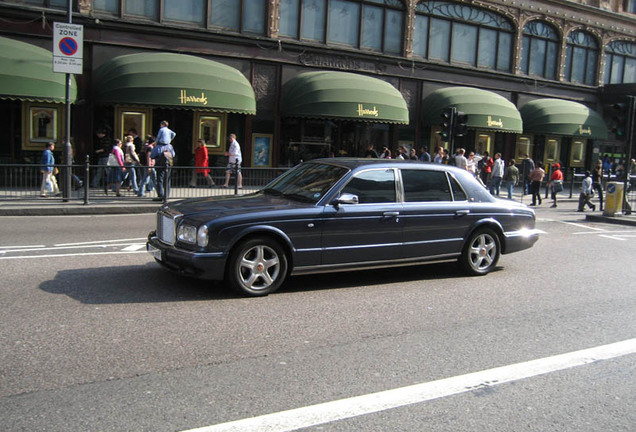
(519, 240)
(197, 264)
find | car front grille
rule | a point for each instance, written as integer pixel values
(166, 223)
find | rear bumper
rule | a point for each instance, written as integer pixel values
(519, 240)
(196, 264)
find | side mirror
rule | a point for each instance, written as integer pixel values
(346, 198)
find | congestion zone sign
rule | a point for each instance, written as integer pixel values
(68, 44)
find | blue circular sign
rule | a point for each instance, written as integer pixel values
(68, 46)
(611, 188)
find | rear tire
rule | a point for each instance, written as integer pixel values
(257, 267)
(481, 252)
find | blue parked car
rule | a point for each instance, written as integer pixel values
(341, 214)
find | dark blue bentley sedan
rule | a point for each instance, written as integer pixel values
(341, 214)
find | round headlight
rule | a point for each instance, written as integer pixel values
(187, 233)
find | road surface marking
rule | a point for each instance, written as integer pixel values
(371, 403)
(135, 247)
(102, 241)
(73, 255)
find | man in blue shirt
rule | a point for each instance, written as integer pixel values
(48, 178)
(163, 153)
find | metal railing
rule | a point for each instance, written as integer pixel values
(23, 182)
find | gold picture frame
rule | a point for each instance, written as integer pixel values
(552, 150)
(131, 117)
(41, 123)
(262, 150)
(210, 127)
(577, 154)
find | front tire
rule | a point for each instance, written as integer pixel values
(481, 252)
(257, 267)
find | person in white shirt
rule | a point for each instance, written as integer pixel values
(586, 193)
(460, 159)
(234, 162)
(497, 175)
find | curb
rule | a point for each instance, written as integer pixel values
(74, 210)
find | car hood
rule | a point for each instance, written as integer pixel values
(219, 206)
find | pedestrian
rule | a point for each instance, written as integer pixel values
(131, 162)
(511, 177)
(536, 177)
(49, 182)
(386, 153)
(370, 152)
(136, 140)
(163, 153)
(116, 168)
(234, 162)
(556, 183)
(496, 175)
(586, 193)
(471, 164)
(103, 149)
(527, 165)
(597, 181)
(148, 178)
(485, 167)
(460, 159)
(201, 164)
(439, 155)
(413, 154)
(425, 155)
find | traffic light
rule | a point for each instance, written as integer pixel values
(447, 123)
(460, 123)
(619, 120)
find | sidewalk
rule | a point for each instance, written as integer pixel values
(567, 208)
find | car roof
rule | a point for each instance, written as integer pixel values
(355, 163)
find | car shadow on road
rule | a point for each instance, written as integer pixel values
(132, 284)
(151, 284)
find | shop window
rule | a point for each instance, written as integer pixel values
(63, 4)
(462, 34)
(484, 143)
(248, 17)
(375, 25)
(190, 12)
(211, 128)
(141, 8)
(581, 57)
(620, 63)
(524, 147)
(110, 6)
(577, 155)
(127, 118)
(540, 49)
(552, 151)
(42, 123)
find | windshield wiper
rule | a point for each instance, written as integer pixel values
(270, 191)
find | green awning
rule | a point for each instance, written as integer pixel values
(485, 109)
(561, 117)
(26, 73)
(173, 80)
(343, 95)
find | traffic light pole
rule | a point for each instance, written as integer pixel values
(631, 119)
(68, 151)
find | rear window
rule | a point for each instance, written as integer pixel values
(423, 186)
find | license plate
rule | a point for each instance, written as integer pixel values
(156, 253)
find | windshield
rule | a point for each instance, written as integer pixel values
(307, 182)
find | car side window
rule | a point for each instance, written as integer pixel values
(375, 186)
(458, 192)
(424, 186)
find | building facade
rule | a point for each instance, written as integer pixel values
(215, 67)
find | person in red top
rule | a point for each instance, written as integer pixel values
(201, 162)
(556, 183)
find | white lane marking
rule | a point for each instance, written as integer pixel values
(612, 237)
(367, 404)
(135, 247)
(22, 247)
(73, 255)
(101, 241)
(55, 248)
(583, 226)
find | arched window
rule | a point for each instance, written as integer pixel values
(581, 57)
(540, 49)
(462, 34)
(376, 25)
(620, 63)
(244, 16)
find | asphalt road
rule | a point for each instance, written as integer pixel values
(96, 337)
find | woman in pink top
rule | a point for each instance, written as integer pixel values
(116, 168)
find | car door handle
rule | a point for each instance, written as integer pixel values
(462, 212)
(391, 214)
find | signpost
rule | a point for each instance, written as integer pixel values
(68, 55)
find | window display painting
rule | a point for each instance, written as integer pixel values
(210, 131)
(133, 120)
(43, 124)
(524, 147)
(551, 151)
(262, 150)
(577, 158)
(484, 144)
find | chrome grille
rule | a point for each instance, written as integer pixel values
(166, 227)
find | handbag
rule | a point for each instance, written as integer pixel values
(112, 160)
(557, 186)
